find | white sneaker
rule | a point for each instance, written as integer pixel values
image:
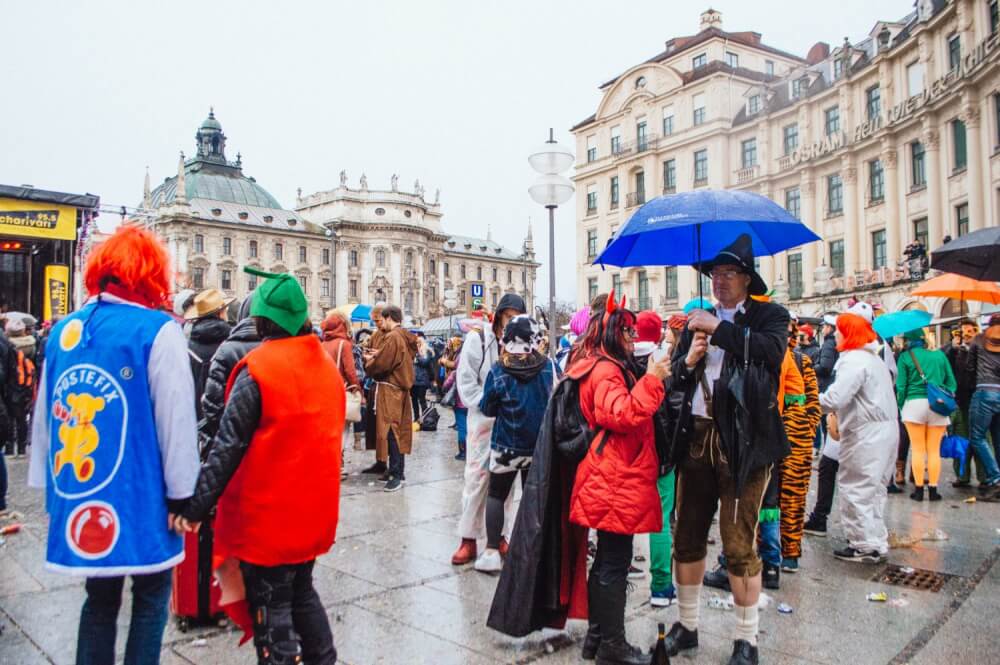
(489, 562)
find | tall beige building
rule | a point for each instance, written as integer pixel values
(873, 145)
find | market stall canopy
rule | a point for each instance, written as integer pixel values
(443, 326)
(356, 312)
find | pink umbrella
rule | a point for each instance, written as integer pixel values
(578, 324)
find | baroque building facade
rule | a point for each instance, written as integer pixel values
(873, 145)
(390, 246)
(344, 245)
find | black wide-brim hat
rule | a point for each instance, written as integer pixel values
(740, 254)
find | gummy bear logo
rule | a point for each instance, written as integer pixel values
(71, 334)
(93, 529)
(88, 419)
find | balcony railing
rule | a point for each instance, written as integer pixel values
(784, 162)
(591, 211)
(614, 205)
(670, 189)
(639, 145)
(633, 199)
(644, 303)
(747, 174)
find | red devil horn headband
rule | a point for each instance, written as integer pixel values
(611, 306)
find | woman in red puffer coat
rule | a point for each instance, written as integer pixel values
(615, 487)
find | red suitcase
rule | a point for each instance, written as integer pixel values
(195, 596)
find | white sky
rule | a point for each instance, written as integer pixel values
(454, 93)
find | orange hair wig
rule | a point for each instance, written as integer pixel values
(856, 332)
(133, 259)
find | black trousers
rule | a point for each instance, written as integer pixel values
(289, 622)
(499, 489)
(607, 585)
(397, 460)
(18, 434)
(827, 484)
(418, 398)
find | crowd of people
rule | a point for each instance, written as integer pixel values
(154, 420)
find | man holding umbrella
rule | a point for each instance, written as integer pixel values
(726, 364)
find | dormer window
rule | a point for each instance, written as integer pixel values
(244, 216)
(216, 211)
(795, 88)
(379, 211)
(268, 218)
(838, 68)
(292, 221)
(699, 61)
(753, 104)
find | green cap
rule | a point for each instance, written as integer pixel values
(279, 299)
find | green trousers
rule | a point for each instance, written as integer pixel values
(661, 544)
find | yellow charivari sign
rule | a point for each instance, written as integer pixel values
(36, 219)
(56, 291)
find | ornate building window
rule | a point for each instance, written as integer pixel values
(379, 211)
(199, 243)
(408, 302)
(304, 283)
(479, 273)
(326, 256)
(252, 249)
(433, 266)
(379, 258)
(352, 289)
(324, 287)
(279, 251)
(303, 254)
(408, 258)
(251, 282)
(227, 246)
(447, 269)
(352, 258)
(461, 270)
(227, 280)
(494, 274)
(198, 278)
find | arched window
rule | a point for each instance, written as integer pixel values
(380, 258)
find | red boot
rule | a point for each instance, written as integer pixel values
(504, 547)
(466, 553)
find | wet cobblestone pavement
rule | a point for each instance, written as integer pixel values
(393, 596)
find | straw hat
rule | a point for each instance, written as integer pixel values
(206, 303)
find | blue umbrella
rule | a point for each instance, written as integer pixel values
(900, 323)
(683, 228)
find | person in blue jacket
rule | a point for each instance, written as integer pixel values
(516, 392)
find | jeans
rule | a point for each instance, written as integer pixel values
(96, 638)
(984, 415)
(289, 619)
(397, 460)
(462, 423)
(770, 542)
(825, 488)
(661, 544)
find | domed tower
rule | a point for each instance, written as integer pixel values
(210, 139)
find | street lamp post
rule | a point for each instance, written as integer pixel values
(551, 189)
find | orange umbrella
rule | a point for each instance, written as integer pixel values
(958, 287)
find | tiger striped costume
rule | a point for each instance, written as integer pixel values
(801, 417)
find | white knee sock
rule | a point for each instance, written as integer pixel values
(747, 622)
(688, 597)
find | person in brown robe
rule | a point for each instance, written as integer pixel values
(371, 346)
(391, 367)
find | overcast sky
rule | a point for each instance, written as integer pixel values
(454, 93)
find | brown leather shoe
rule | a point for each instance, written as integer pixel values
(466, 553)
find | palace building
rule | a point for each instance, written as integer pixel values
(873, 145)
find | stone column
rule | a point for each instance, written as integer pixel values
(340, 295)
(365, 256)
(893, 222)
(807, 204)
(852, 217)
(395, 262)
(974, 157)
(932, 160)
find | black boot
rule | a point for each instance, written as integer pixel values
(744, 653)
(717, 578)
(933, 493)
(918, 494)
(377, 467)
(771, 576)
(680, 639)
(609, 611)
(593, 637)
(591, 641)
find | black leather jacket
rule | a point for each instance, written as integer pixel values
(206, 336)
(239, 421)
(768, 324)
(241, 341)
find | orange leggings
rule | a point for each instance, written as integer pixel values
(925, 442)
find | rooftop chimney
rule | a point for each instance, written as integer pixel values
(710, 19)
(818, 53)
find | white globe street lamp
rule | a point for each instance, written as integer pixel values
(551, 190)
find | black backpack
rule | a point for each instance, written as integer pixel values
(571, 433)
(428, 420)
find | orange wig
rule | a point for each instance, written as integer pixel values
(855, 331)
(133, 260)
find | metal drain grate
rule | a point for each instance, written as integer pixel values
(912, 578)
